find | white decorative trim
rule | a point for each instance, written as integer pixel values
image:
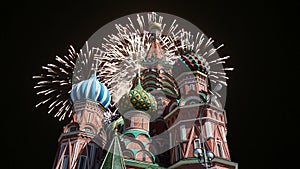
(223, 133)
(184, 101)
(195, 105)
(190, 73)
(195, 119)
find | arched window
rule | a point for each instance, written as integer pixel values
(192, 102)
(72, 128)
(88, 129)
(192, 86)
(144, 157)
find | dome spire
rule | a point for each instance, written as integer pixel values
(139, 76)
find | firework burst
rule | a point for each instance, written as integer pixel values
(128, 48)
(204, 48)
(117, 60)
(55, 84)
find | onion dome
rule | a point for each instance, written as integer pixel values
(154, 79)
(191, 62)
(138, 99)
(91, 89)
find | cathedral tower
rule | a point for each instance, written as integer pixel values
(199, 123)
(82, 141)
(136, 108)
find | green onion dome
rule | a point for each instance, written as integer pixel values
(137, 99)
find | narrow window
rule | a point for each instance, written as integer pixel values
(196, 143)
(220, 149)
(82, 162)
(171, 140)
(89, 117)
(178, 152)
(224, 134)
(62, 147)
(192, 86)
(132, 122)
(137, 121)
(79, 115)
(142, 122)
(65, 162)
(208, 129)
(183, 132)
(144, 157)
(97, 164)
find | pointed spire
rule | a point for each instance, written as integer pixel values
(114, 157)
(139, 84)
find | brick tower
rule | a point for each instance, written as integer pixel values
(82, 141)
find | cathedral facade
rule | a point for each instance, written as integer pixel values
(169, 118)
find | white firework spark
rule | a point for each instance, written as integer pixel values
(205, 49)
(118, 60)
(55, 84)
(129, 47)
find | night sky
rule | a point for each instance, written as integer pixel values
(257, 96)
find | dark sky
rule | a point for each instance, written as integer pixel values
(253, 33)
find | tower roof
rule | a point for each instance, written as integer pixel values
(114, 157)
(190, 61)
(154, 79)
(91, 89)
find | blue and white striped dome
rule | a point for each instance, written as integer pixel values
(91, 89)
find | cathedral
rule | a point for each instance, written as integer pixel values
(170, 117)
